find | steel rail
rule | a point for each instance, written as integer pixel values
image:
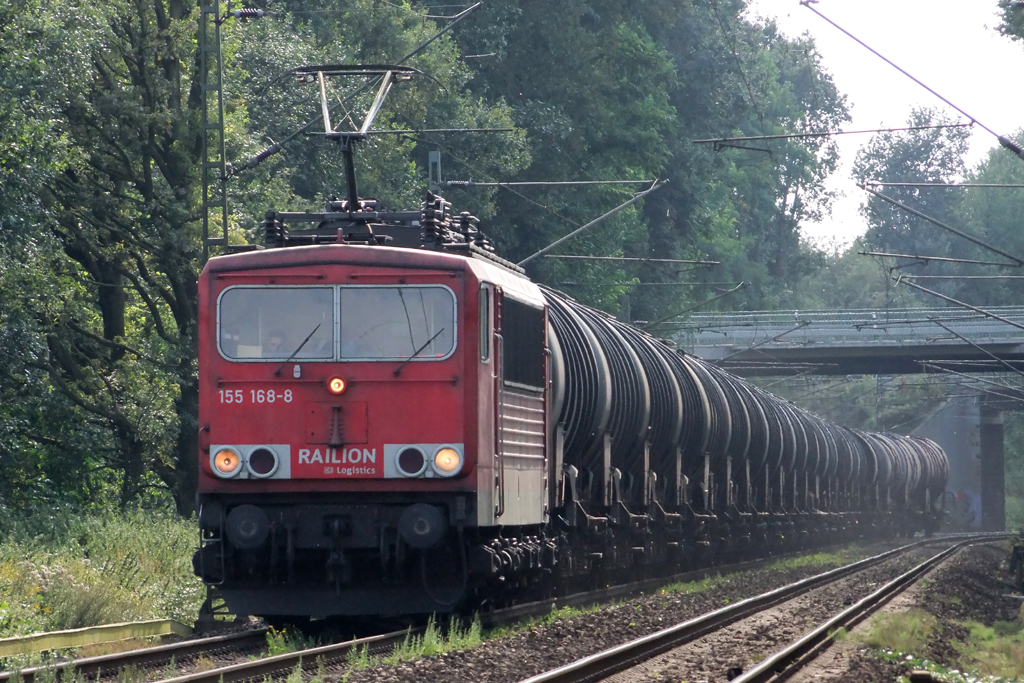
(797, 654)
(284, 664)
(93, 666)
(621, 657)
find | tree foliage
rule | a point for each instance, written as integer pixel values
(100, 204)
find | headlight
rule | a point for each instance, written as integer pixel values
(337, 385)
(447, 461)
(262, 462)
(227, 462)
(411, 462)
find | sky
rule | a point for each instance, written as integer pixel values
(950, 45)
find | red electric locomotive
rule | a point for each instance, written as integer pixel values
(350, 397)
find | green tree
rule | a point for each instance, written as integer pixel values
(1013, 19)
(102, 207)
(614, 90)
(927, 155)
(993, 214)
(114, 215)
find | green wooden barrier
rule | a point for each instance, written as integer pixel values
(77, 637)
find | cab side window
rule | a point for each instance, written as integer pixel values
(522, 331)
(485, 324)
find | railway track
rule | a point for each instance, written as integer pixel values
(252, 642)
(97, 667)
(334, 656)
(646, 657)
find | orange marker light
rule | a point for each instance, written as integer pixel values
(336, 385)
(447, 460)
(227, 462)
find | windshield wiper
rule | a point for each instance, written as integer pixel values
(417, 352)
(277, 373)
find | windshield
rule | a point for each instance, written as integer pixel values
(375, 322)
(271, 322)
(395, 322)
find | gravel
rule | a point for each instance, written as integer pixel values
(542, 647)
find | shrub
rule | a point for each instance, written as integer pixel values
(60, 572)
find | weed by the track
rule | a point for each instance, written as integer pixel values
(46, 672)
(823, 560)
(359, 658)
(556, 614)
(204, 663)
(434, 641)
(296, 675)
(991, 653)
(170, 670)
(688, 587)
(285, 640)
(131, 674)
(901, 631)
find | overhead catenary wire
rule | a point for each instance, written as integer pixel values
(642, 259)
(957, 302)
(742, 285)
(964, 277)
(830, 133)
(942, 259)
(800, 325)
(980, 348)
(948, 402)
(880, 183)
(637, 197)
(517, 193)
(1003, 140)
(982, 380)
(935, 221)
(979, 362)
(642, 284)
(542, 183)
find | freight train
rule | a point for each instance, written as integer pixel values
(396, 421)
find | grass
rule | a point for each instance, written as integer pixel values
(434, 641)
(1014, 512)
(996, 650)
(283, 641)
(70, 572)
(905, 632)
(991, 653)
(822, 560)
(46, 673)
(113, 647)
(689, 587)
(556, 614)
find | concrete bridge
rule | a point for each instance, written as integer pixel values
(870, 342)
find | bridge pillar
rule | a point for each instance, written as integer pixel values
(993, 502)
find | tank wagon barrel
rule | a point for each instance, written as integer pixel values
(646, 426)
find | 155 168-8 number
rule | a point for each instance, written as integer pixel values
(255, 396)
